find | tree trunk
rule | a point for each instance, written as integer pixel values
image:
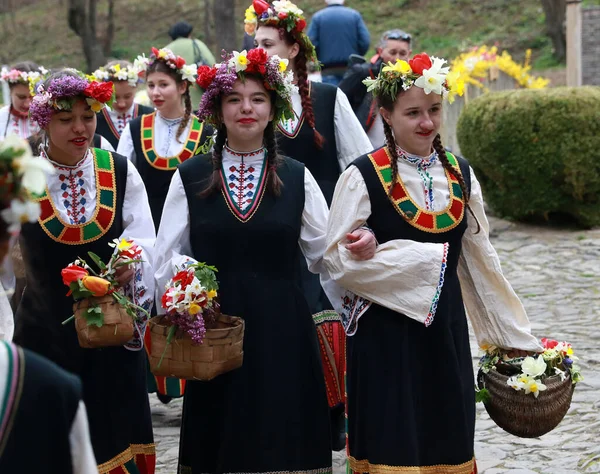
(556, 11)
(226, 25)
(208, 26)
(110, 29)
(82, 21)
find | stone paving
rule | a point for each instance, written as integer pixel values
(557, 275)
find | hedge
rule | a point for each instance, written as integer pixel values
(536, 152)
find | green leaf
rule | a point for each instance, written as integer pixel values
(482, 395)
(94, 316)
(170, 336)
(79, 291)
(97, 261)
(206, 275)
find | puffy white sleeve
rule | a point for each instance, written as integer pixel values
(350, 138)
(404, 276)
(125, 147)
(82, 453)
(312, 239)
(105, 144)
(139, 227)
(496, 313)
(173, 245)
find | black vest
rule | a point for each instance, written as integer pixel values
(44, 304)
(156, 181)
(43, 415)
(322, 163)
(110, 132)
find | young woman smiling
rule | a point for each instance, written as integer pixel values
(92, 197)
(411, 401)
(325, 135)
(252, 213)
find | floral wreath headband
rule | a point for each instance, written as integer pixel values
(131, 73)
(282, 14)
(14, 76)
(21, 177)
(63, 92)
(219, 79)
(422, 71)
(177, 63)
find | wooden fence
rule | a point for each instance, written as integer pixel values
(496, 81)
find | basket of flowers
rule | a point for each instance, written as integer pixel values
(194, 340)
(528, 396)
(103, 315)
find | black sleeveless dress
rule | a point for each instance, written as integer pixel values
(241, 421)
(411, 401)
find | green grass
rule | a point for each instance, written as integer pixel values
(441, 27)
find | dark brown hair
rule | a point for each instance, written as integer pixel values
(160, 66)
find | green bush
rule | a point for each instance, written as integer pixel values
(536, 152)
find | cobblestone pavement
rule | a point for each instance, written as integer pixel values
(557, 275)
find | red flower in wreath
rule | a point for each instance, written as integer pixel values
(155, 51)
(282, 15)
(419, 63)
(179, 62)
(257, 60)
(100, 91)
(260, 6)
(206, 75)
(300, 25)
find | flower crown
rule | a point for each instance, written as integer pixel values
(116, 72)
(62, 93)
(282, 14)
(177, 63)
(21, 176)
(422, 71)
(219, 80)
(14, 76)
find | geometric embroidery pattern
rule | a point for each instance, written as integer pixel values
(422, 219)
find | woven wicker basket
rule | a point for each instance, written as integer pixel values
(522, 414)
(220, 352)
(116, 330)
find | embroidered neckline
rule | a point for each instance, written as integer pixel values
(104, 214)
(62, 166)
(293, 132)
(422, 165)
(245, 154)
(233, 204)
(422, 219)
(110, 123)
(168, 163)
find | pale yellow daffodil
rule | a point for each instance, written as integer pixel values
(401, 67)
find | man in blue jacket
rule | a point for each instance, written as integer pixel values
(337, 32)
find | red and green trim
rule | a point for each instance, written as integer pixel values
(245, 216)
(168, 163)
(136, 459)
(110, 123)
(422, 219)
(301, 119)
(104, 214)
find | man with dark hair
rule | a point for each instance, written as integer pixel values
(192, 50)
(393, 45)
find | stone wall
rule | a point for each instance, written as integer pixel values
(590, 48)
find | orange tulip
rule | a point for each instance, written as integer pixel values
(98, 286)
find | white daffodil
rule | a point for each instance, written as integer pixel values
(33, 170)
(518, 382)
(239, 61)
(141, 62)
(20, 212)
(534, 367)
(285, 6)
(188, 72)
(433, 78)
(14, 143)
(534, 386)
(562, 373)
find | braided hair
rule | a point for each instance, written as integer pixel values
(160, 66)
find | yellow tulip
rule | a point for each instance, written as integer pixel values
(194, 309)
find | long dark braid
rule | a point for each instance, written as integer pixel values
(303, 88)
(214, 183)
(441, 153)
(274, 160)
(391, 145)
(188, 112)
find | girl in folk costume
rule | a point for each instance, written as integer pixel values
(112, 120)
(92, 198)
(411, 402)
(157, 143)
(55, 423)
(250, 211)
(326, 136)
(14, 118)
(160, 141)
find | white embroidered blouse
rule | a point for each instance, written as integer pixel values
(173, 247)
(12, 125)
(404, 275)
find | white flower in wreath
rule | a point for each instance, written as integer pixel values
(188, 72)
(141, 62)
(534, 367)
(239, 61)
(285, 6)
(433, 78)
